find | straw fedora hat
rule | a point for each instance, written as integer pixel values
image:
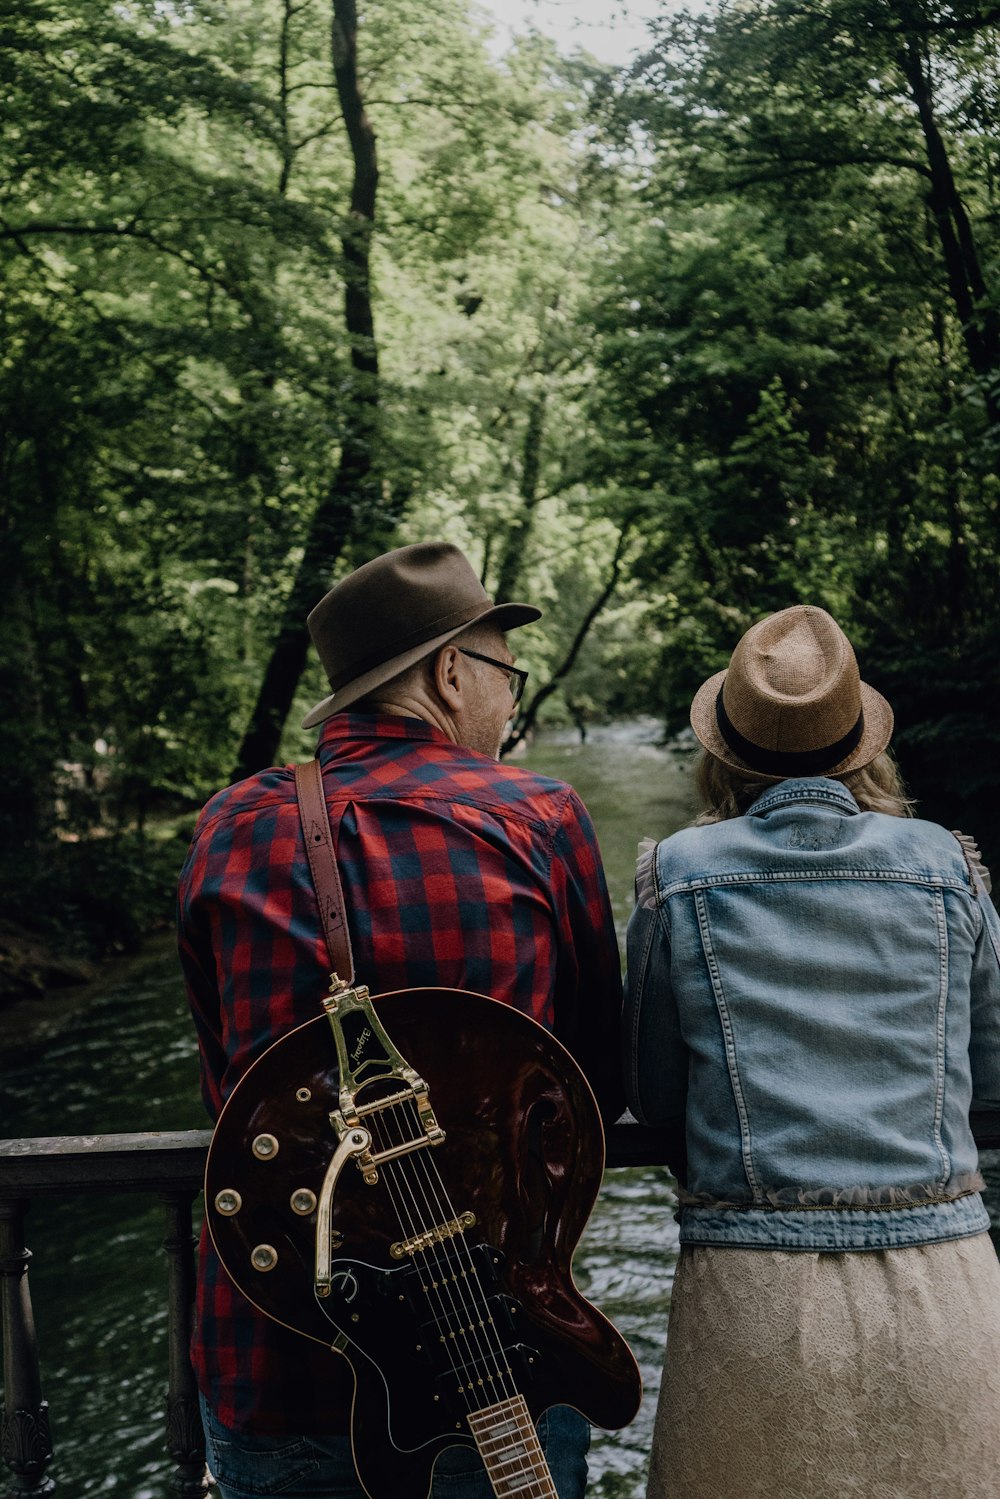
(391, 612)
(792, 702)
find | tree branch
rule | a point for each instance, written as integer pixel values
(119, 231)
(797, 166)
(526, 722)
(913, 27)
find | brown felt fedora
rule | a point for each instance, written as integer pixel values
(391, 612)
(792, 702)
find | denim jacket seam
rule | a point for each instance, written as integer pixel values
(753, 877)
(986, 928)
(729, 1042)
(844, 1229)
(722, 1205)
(941, 917)
(844, 803)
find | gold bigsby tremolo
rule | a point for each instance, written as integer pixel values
(366, 1055)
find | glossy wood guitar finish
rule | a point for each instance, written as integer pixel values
(436, 1328)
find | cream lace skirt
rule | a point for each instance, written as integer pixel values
(832, 1376)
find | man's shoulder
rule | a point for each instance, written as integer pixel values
(435, 771)
(439, 772)
(466, 775)
(264, 791)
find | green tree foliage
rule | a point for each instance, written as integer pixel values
(799, 348)
(285, 283)
(195, 432)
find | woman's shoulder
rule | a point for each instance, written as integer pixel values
(979, 873)
(702, 849)
(662, 860)
(956, 853)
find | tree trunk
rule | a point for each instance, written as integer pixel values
(512, 558)
(354, 491)
(27, 796)
(980, 325)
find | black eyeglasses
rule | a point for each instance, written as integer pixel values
(516, 678)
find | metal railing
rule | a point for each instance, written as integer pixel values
(170, 1165)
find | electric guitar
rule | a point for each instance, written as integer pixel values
(409, 1190)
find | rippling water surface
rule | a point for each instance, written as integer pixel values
(126, 1060)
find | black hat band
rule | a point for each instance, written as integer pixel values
(786, 762)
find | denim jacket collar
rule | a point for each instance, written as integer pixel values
(805, 789)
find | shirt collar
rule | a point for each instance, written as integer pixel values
(805, 789)
(377, 726)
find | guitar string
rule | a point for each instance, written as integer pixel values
(402, 1212)
(515, 1454)
(522, 1465)
(514, 1478)
(465, 1277)
(435, 1272)
(526, 1463)
(461, 1309)
(426, 1164)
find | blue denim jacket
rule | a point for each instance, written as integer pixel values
(814, 992)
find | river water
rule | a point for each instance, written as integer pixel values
(125, 1060)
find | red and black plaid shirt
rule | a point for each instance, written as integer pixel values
(457, 871)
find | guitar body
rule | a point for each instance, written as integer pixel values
(484, 1303)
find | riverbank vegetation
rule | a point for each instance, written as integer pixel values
(285, 284)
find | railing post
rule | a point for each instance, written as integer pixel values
(185, 1437)
(25, 1442)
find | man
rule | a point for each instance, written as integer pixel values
(458, 872)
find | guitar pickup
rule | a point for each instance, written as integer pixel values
(489, 1374)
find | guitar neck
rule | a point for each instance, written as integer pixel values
(511, 1452)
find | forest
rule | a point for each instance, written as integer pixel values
(284, 283)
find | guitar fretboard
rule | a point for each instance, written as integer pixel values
(509, 1447)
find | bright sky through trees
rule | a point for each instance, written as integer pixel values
(612, 30)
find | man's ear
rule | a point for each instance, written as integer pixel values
(447, 679)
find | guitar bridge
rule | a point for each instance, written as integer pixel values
(436, 1235)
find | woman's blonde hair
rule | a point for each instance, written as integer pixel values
(725, 792)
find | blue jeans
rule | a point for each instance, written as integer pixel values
(249, 1467)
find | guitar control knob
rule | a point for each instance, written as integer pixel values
(228, 1202)
(303, 1202)
(265, 1147)
(264, 1257)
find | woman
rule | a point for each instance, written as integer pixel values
(813, 1010)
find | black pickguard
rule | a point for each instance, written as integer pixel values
(433, 1363)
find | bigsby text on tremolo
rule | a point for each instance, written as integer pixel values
(368, 1060)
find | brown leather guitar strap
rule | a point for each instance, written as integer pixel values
(323, 867)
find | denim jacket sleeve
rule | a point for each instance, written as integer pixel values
(984, 1044)
(656, 1059)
